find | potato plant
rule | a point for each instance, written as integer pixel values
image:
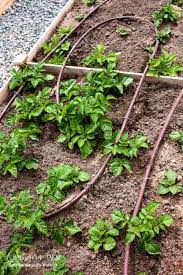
(124, 150)
(169, 184)
(164, 65)
(168, 13)
(12, 148)
(33, 77)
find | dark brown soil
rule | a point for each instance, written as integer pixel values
(148, 116)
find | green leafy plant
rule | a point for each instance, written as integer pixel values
(177, 135)
(164, 35)
(90, 2)
(60, 179)
(24, 213)
(12, 147)
(10, 263)
(62, 228)
(11, 258)
(120, 219)
(146, 226)
(168, 184)
(31, 108)
(80, 17)
(168, 13)
(107, 82)
(102, 235)
(64, 47)
(60, 267)
(124, 150)
(122, 31)
(164, 65)
(98, 59)
(33, 77)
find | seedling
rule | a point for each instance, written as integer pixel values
(164, 65)
(60, 267)
(102, 235)
(168, 13)
(126, 149)
(122, 31)
(80, 17)
(12, 147)
(146, 226)
(61, 229)
(90, 2)
(164, 35)
(178, 136)
(33, 77)
(98, 59)
(169, 184)
(60, 179)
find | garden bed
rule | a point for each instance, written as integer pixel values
(149, 113)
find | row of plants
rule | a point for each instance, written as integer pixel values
(81, 117)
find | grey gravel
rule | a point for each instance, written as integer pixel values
(21, 27)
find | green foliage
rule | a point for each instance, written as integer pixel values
(102, 235)
(80, 17)
(83, 118)
(62, 229)
(30, 108)
(69, 89)
(122, 31)
(11, 258)
(10, 263)
(168, 184)
(60, 179)
(33, 77)
(23, 213)
(164, 35)
(64, 47)
(60, 267)
(168, 13)
(177, 135)
(146, 226)
(59, 56)
(107, 82)
(98, 59)
(120, 219)
(56, 59)
(90, 2)
(124, 150)
(164, 65)
(12, 147)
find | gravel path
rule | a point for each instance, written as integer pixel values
(21, 27)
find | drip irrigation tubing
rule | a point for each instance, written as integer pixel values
(50, 54)
(132, 18)
(148, 170)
